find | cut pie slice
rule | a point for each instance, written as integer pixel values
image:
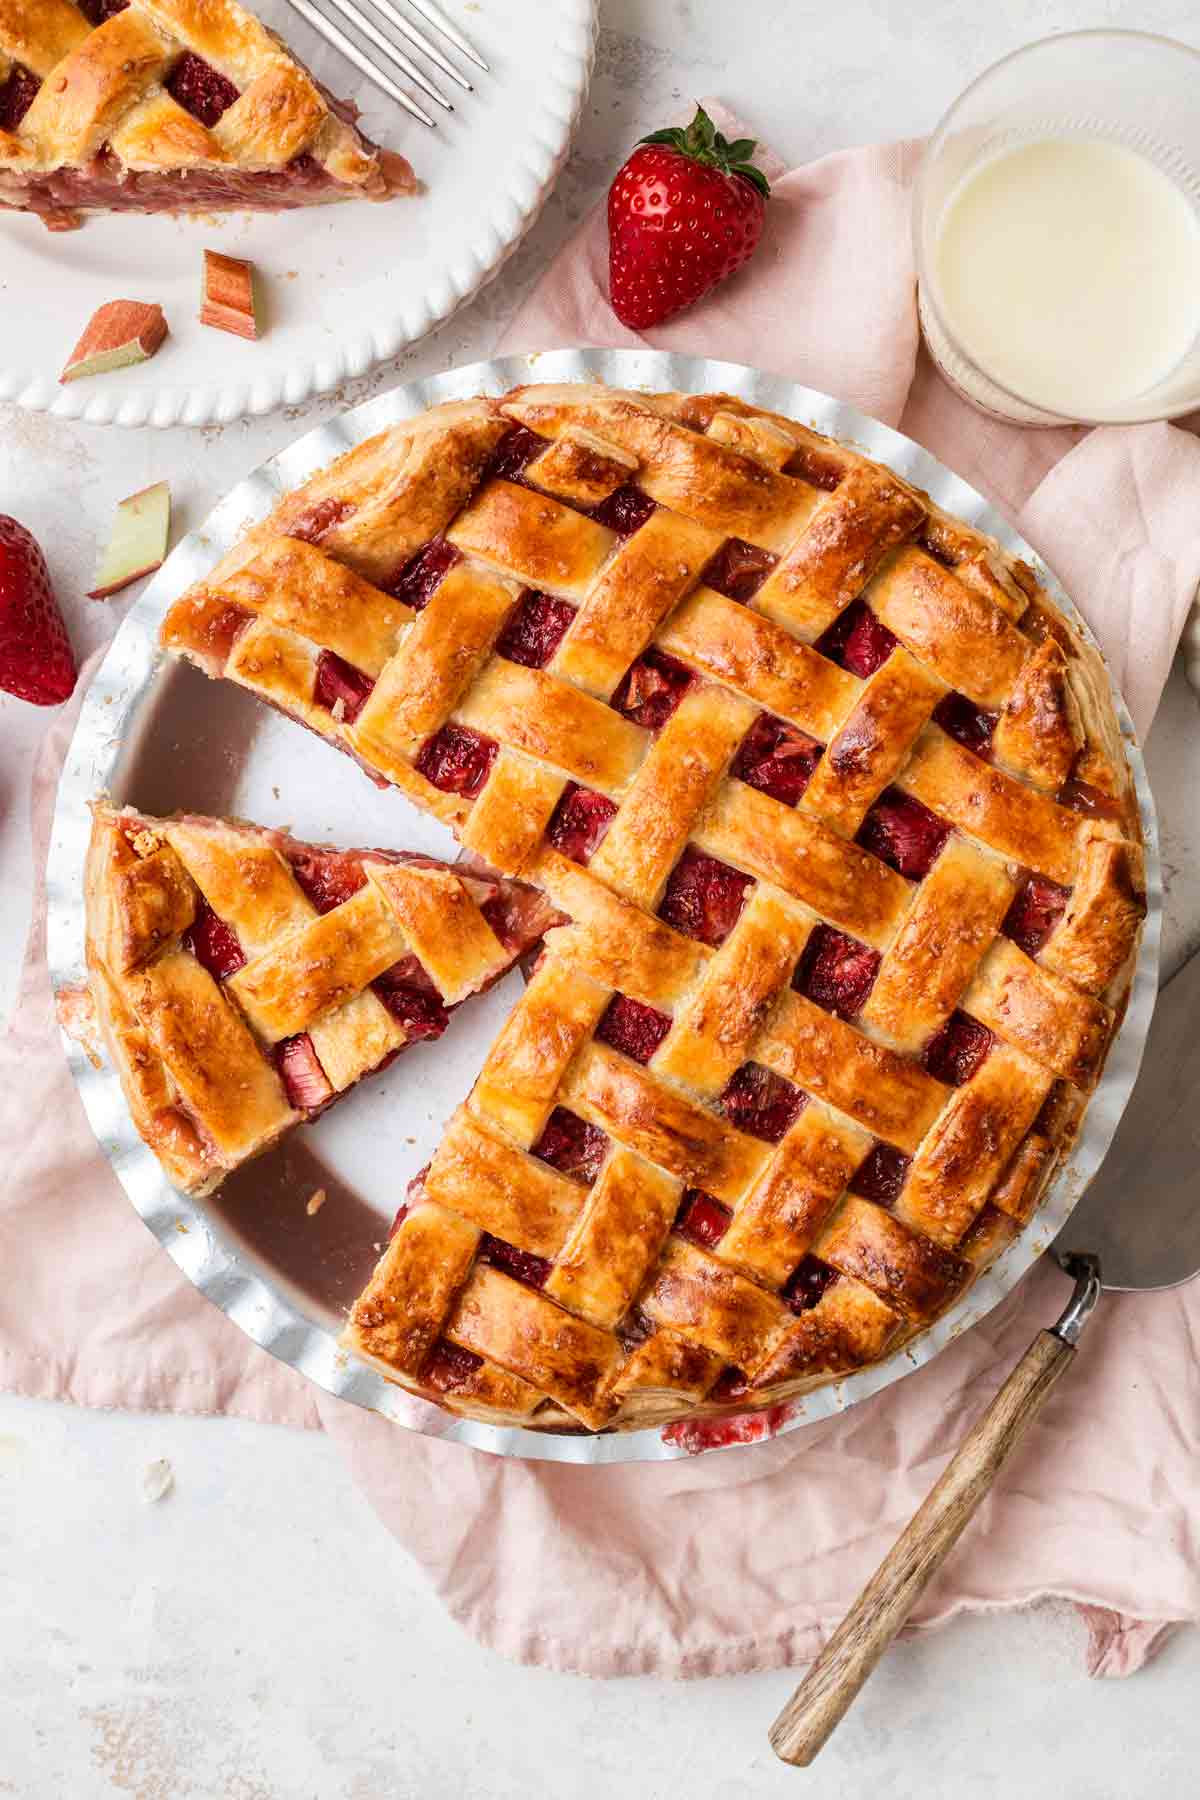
(243, 980)
(170, 106)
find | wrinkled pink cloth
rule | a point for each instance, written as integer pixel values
(742, 1560)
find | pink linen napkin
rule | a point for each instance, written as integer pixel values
(743, 1560)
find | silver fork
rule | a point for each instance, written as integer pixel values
(355, 11)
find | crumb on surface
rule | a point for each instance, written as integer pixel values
(157, 1480)
(316, 1201)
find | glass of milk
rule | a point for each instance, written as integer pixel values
(1057, 232)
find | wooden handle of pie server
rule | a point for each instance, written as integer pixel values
(829, 1688)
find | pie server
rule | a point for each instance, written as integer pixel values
(1107, 1243)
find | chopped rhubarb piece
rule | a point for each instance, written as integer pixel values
(450, 1367)
(881, 1174)
(1036, 908)
(903, 833)
(513, 454)
(199, 89)
(422, 573)
(704, 897)
(419, 1010)
(1089, 800)
(228, 301)
(836, 971)
(632, 1027)
(579, 822)
(535, 629)
(522, 1265)
(777, 759)
(402, 1213)
(955, 1052)
(572, 1146)
(457, 760)
(17, 94)
(858, 640)
(305, 1080)
(339, 685)
(650, 691)
(760, 1102)
(138, 544)
(321, 517)
(213, 943)
(809, 1281)
(328, 877)
(961, 719)
(702, 1219)
(739, 569)
(119, 334)
(624, 512)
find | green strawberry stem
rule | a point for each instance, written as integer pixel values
(705, 144)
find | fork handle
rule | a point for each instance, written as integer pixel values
(829, 1689)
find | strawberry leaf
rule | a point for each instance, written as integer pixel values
(703, 143)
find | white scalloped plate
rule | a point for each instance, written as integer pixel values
(347, 286)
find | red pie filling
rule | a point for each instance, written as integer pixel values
(306, 1082)
(421, 574)
(739, 569)
(572, 1146)
(535, 629)
(1084, 799)
(338, 680)
(634, 1029)
(1036, 908)
(903, 833)
(650, 691)
(777, 759)
(321, 517)
(513, 454)
(624, 512)
(818, 469)
(450, 1367)
(412, 1000)
(579, 822)
(328, 877)
(881, 1174)
(522, 1265)
(199, 89)
(213, 943)
(961, 719)
(702, 1219)
(809, 1281)
(17, 95)
(955, 1052)
(457, 760)
(97, 11)
(760, 1102)
(704, 897)
(836, 971)
(858, 640)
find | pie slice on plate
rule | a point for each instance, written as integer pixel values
(243, 980)
(170, 106)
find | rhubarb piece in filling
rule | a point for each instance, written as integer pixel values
(836, 971)
(777, 759)
(704, 897)
(858, 640)
(632, 1027)
(571, 1145)
(650, 691)
(702, 1219)
(579, 822)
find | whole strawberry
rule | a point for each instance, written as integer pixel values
(684, 212)
(36, 659)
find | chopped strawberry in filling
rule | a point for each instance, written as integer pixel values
(213, 943)
(777, 759)
(955, 1052)
(512, 455)
(809, 1281)
(739, 569)
(305, 1080)
(199, 89)
(702, 1219)
(17, 94)
(961, 719)
(338, 683)
(321, 517)
(422, 573)
(650, 691)
(418, 1008)
(535, 630)
(704, 897)
(1037, 906)
(881, 1174)
(522, 1265)
(760, 1102)
(457, 760)
(579, 822)
(836, 971)
(328, 877)
(572, 1146)
(625, 511)
(633, 1028)
(858, 640)
(903, 833)
(450, 1367)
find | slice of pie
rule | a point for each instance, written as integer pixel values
(170, 106)
(243, 980)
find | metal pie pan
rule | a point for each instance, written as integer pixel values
(164, 738)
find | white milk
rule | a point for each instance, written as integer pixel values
(1069, 270)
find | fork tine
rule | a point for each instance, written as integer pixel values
(426, 44)
(441, 23)
(354, 13)
(335, 36)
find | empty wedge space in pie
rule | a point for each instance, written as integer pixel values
(833, 800)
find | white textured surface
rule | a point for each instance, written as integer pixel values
(255, 1636)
